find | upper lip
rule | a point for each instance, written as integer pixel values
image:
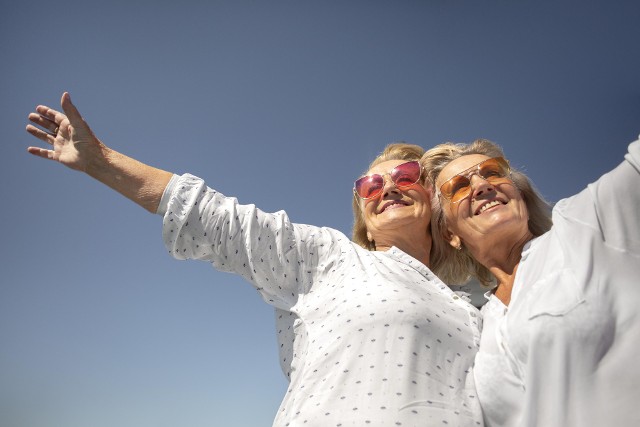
(393, 202)
(485, 202)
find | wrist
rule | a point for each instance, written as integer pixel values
(101, 162)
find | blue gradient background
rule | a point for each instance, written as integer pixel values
(281, 104)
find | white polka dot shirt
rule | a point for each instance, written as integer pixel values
(365, 338)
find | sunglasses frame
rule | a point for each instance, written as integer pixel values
(355, 184)
(475, 170)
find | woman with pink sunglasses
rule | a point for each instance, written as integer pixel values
(368, 335)
(561, 328)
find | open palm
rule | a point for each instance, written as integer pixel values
(72, 142)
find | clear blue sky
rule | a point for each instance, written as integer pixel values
(281, 104)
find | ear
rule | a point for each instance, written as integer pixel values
(453, 239)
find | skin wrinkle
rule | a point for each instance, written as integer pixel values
(496, 236)
(399, 226)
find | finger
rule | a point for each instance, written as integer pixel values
(43, 122)
(40, 134)
(64, 130)
(49, 113)
(41, 152)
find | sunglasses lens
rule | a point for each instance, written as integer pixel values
(456, 189)
(369, 186)
(406, 174)
(403, 175)
(495, 171)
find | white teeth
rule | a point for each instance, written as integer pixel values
(392, 204)
(488, 205)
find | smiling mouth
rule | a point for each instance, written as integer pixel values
(393, 205)
(488, 206)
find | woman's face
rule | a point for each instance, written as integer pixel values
(491, 211)
(395, 210)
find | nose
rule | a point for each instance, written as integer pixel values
(389, 186)
(480, 186)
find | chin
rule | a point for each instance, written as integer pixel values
(503, 221)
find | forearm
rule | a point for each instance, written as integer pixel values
(141, 183)
(610, 205)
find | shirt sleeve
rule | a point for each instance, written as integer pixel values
(611, 204)
(166, 195)
(278, 257)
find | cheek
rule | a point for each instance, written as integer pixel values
(515, 195)
(422, 201)
(424, 197)
(451, 214)
(510, 190)
(524, 210)
(368, 208)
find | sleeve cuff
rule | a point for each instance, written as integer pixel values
(166, 195)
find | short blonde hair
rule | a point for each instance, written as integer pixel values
(395, 151)
(457, 266)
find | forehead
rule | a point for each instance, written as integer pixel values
(459, 165)
(386, 166)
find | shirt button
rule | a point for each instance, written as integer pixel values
(456, 297)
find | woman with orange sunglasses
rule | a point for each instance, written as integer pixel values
(561, 328)
(368, 334)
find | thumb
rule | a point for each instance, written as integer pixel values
(71, 111)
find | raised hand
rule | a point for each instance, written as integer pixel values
(72, 142)
(74, 145)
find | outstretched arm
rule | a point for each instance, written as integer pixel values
(73, 143)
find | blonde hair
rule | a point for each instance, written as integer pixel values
(395, 151)
(457, 266)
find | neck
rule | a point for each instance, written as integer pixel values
(503, 260)
(505, 280)
(420, 249)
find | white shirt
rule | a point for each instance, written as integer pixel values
(495, 385)
(366, 338)
(570, 341)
